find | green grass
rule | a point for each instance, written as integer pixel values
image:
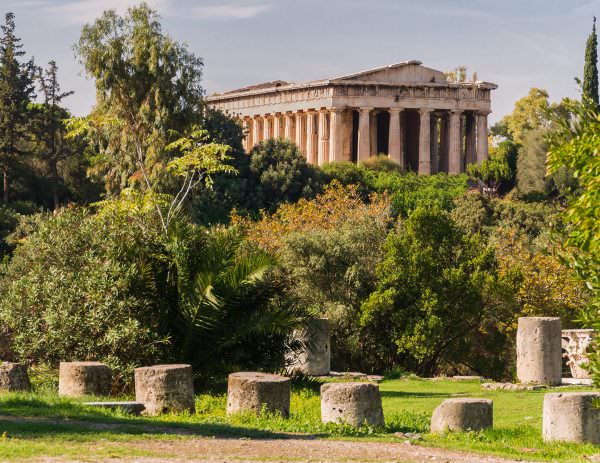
(408, 404)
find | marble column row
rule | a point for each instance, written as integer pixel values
(321, 136)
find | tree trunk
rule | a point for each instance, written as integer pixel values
(5, 184)
(54, 182)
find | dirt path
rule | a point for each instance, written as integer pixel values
(284, 448)
(302, 450)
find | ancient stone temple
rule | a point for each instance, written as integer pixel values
(405, 110)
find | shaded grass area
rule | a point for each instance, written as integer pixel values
(408, 404)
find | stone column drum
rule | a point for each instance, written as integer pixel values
(539, 350)
(351, 403)
(463, 415)
(78, 379)
(571, 417)
(252, 392)
(314, 358)
(14, 377)
(165, 388)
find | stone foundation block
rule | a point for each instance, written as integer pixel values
(165, 388)
(571, 417)
(539, 351)
(14, 377)
(352, 403)
(251, 392)
(463, 415)
(314, 358)
(77, 379)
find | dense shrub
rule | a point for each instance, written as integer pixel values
(381, 163)
(282, 173)
(411, 191)
(113, 286)
(82, 287)
(332, 271)
(329, 210)
(432, 294)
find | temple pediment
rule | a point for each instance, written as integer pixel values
(406, 72)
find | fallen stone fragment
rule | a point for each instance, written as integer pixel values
(14, 378)
(463, 415)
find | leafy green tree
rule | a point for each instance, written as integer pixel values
(491, 173)
(575, 146)
(148, 93)
(431, 293)
(331, 271)
(410, 191)
(16, 91)
(530, 112)
(48, 121)
(590, 71)
(282, 173)
(531, 164)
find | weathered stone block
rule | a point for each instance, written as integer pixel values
(571, 417)
(77, 379)
(14, 377)
(253, 392)
(314, 358)
(165, 388)
(352, 403)
(463, 415)
(575, 343)
(539, 350)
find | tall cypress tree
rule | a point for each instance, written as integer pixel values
(16, 91)
(590, 72)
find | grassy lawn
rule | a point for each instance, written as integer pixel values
(408, 404)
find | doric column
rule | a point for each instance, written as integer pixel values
(311, 137)
(247, 130)
(267, 127)
(288, 130)
(277, 126)
(300, 137)
(373, 132)
(255, 131)
(336, 130)
(454, 147)
(395, 144)
(443, 151)
(482, 136)
(435, 146)
(364, 137)
(470, 138)
(323, 150)
(425, 142)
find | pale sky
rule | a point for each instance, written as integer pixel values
(517, 44)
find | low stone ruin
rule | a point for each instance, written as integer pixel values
(575, 344)
(351, 403)
(252, 392)
(571, 417)
(165, 388)
(463, 415)
(314, 356)
(539, 350)
(14, 377)
(78, 379)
